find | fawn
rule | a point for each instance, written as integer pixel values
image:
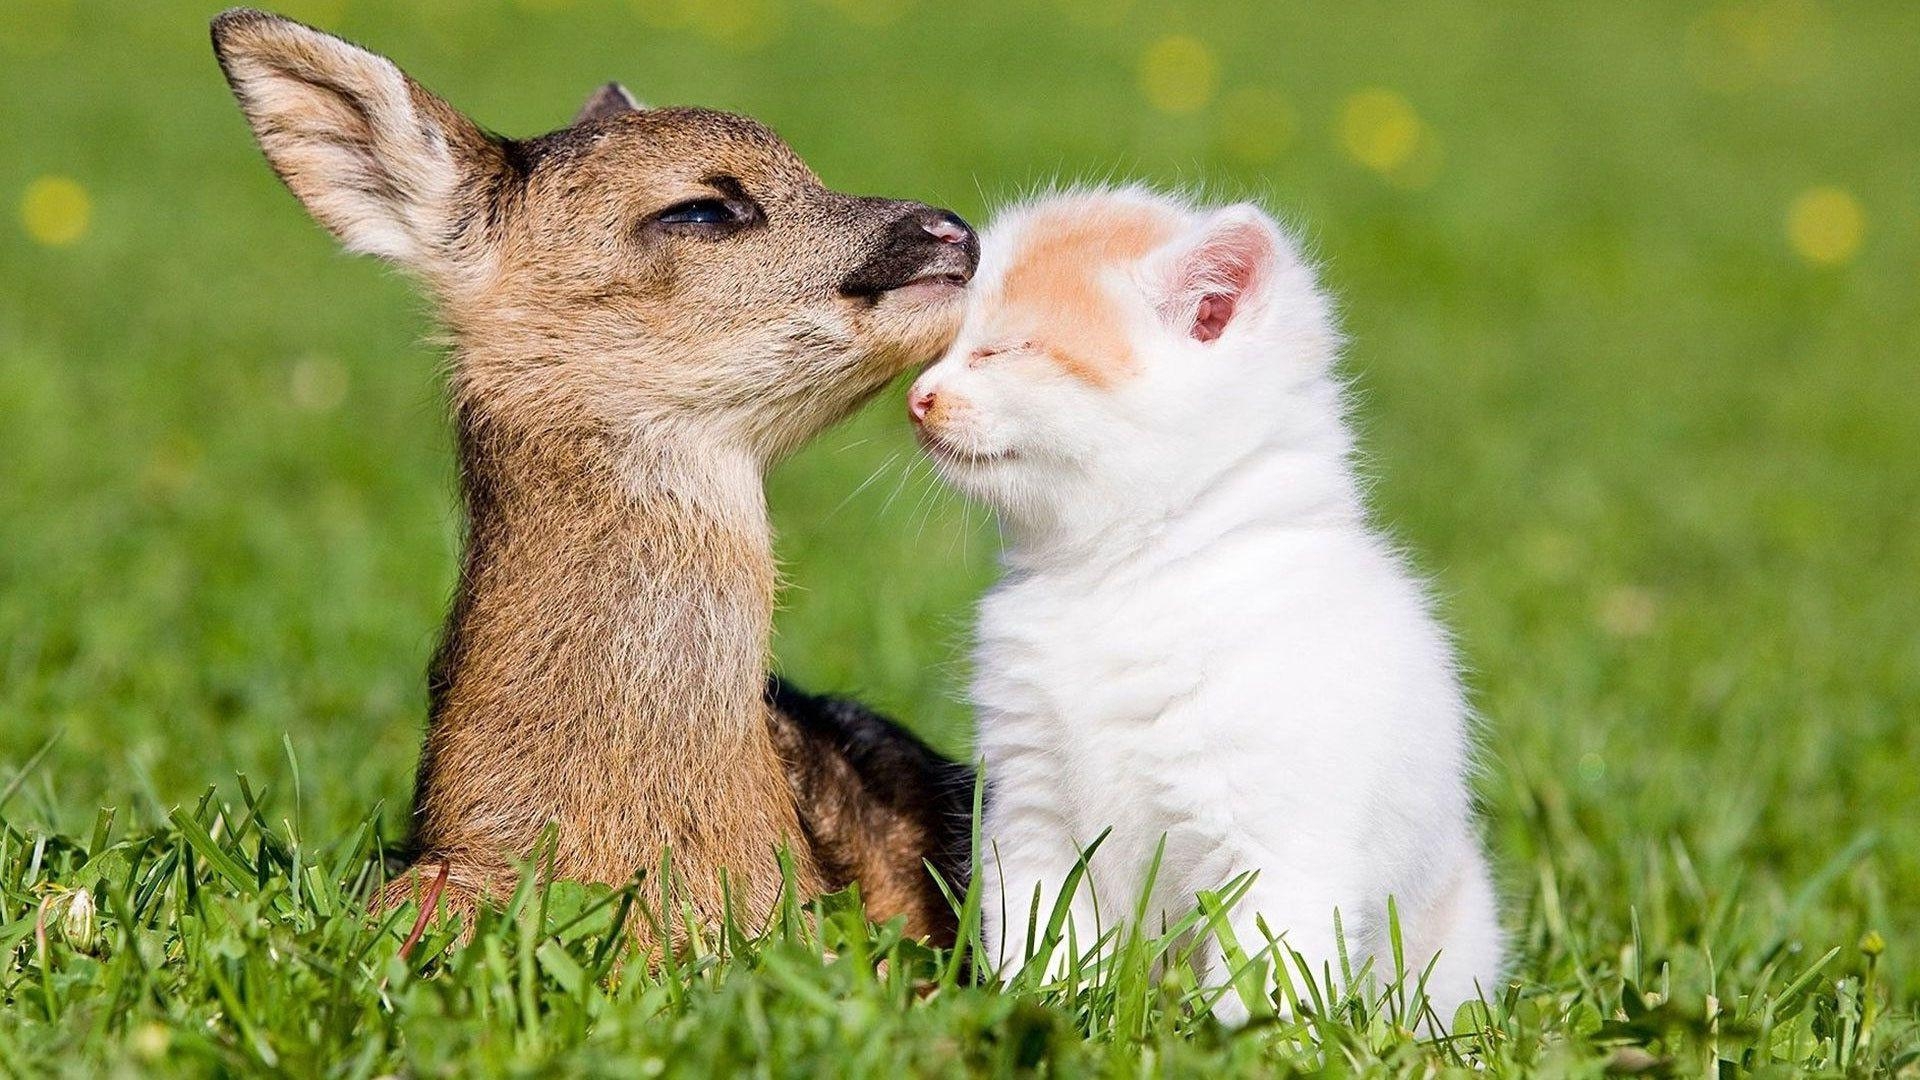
(647, 309)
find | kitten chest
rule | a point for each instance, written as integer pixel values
(1085, 702)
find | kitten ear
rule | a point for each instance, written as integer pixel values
(1219, 269)
(607, 102)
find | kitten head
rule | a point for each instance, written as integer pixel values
(1125, 348)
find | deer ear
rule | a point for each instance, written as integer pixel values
(1218, 270)
(607, 102)
(382, 163)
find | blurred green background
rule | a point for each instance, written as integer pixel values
(1632, 299)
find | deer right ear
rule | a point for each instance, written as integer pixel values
(374, 157)
(607, 102)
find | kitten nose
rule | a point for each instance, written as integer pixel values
(919, 404)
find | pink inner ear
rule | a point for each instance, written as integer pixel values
(1210, 318)
(1222, 270)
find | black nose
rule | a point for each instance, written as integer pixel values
(922, 244)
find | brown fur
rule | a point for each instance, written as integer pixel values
(621, 382)
(602, 673)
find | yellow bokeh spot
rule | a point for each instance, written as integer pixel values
(1825, 225)
(1380, 130)
(1178, 74)
(1256, 124)
(1731, 47)
(743, 24)
(43, 28)
(739, 24)
(55, 211)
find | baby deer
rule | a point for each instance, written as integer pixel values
(647, 309)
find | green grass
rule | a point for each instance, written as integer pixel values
(1658, 460)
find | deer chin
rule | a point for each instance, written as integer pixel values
(929, 289)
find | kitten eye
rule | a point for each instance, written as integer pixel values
(987, 352)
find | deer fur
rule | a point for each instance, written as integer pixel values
(647, 309)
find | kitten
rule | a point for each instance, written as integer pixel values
(1198, 636)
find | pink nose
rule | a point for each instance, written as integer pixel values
(945, 228)
(919, 404)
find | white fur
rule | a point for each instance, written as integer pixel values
(1199, 637)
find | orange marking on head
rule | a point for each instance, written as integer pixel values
(1052, 293)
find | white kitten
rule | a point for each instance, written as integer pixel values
(1198, 636)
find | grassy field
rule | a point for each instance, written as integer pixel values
(1632, 296)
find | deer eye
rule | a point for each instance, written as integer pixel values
(699, 212)
(709, 218)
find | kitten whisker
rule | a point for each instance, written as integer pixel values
(864, 485)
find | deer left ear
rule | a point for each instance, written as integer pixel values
(609, 101)
(1220, 270)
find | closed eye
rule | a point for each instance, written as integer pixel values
(987, 352)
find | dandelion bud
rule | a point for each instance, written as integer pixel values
(77, 922)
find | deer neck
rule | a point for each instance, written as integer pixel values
(605, 662)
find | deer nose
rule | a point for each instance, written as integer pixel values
(919, 404)
(945, 227)
(917, 244)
